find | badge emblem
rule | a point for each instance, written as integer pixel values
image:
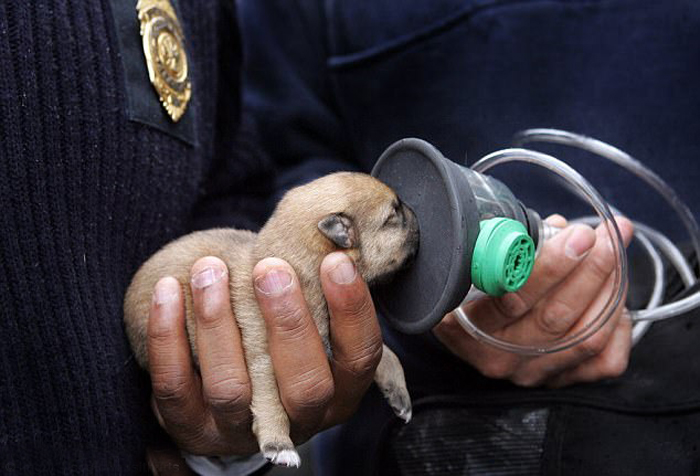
(164, 48)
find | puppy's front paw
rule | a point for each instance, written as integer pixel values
(281, 455)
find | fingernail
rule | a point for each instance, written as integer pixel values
(166, 290)
(207, 277)
(579, 242)
(344, 272)
(274, 283)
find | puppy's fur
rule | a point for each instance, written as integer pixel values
(348, 211)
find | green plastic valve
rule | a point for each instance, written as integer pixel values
(503, 256)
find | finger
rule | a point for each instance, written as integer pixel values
(558, 258)
(301, 366)
(176, 388)
(526, 371)
(610, 363)
(557, 221)
(535, 372)
(554, 316)
(566, 304)
(354, 333)
(225, 382)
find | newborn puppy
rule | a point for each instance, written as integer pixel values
(348, 211)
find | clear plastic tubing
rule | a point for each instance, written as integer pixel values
(671, 251)
(623, 159)
(677, 259)
(657, 295)
(587, 191)
(668, 310)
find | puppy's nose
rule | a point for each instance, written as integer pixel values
(413, 236)
(407, 211)
(410, 218)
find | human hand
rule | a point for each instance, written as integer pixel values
(570, 284)
(207, 412)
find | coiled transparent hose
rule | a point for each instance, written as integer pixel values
(623, 159)
(653, 242)
(671, 251)
(576, 181)
(556, 136)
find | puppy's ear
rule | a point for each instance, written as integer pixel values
(340, 229)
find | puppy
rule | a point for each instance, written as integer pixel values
(348, 211)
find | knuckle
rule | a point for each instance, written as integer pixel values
(499, 369)
(228, 404)
(614, 365)
(159, 331)
(208, 311)
(601, 263)
(160, 340)
(289, 322)
(212, 312)
(313, 390)
(209, 319)
(171, 387)
(228, 395)
(593, 346)
(512, 304)
(364, 361)
(527, 380)
(555, 317)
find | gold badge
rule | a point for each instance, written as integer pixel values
(164, 47)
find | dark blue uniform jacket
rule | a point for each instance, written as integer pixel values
(333, 83)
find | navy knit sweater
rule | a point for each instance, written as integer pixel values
(87, 193)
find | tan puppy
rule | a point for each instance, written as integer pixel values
(348, 211)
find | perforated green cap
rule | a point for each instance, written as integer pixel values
(503, 256)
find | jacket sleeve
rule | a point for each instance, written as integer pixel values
(240, 176)
(287, 91)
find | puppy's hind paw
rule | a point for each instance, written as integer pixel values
(392, 383)
(405, 414)
(400, 403)
(282, 457)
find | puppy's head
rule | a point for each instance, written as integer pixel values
(352, 212)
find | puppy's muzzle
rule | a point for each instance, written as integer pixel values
(412, 242)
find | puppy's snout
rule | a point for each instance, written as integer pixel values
(413, 234)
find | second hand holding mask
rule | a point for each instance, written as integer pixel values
(474, 231)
